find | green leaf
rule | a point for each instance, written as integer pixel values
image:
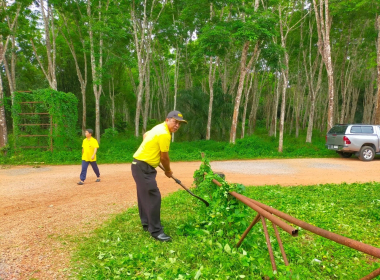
(227, 248)
(199, 273)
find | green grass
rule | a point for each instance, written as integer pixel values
(120, 149)
(121, 250)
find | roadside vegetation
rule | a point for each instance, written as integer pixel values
(204, 238)
(120, 147)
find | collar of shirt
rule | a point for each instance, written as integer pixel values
(166, 127)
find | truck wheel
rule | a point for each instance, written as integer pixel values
(345, 154)
(366, 153)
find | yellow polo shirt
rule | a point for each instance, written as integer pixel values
(88, 149)
(156, 140)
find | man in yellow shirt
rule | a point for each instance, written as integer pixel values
(154, 150)
(89, 148)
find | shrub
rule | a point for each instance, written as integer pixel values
(110, 133)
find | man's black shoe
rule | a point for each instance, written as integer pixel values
(145, 227)
(162, 237)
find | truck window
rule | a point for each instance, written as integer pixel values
(367, 129)
(356, 129)
(362, 129)
(338, 129)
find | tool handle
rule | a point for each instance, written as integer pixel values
(176, 180)
(160, 166)
(179, 183)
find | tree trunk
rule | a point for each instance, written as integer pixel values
(147, 96)
(111, 89)
(355, 96)
(84, 112)
(82, 80)
(48, 21)
(283, 102)
(348, 102)
(11, 71)
(273, 124)
(324, 25)
(211, 78)
(143, 41)
(313, 94)
(11, 74)
(377, 114)
(239, 91)
(3, 121)
(243, 71)
(246, 98)
(285, 81)
(369, 102)
(96, 68)
(187, 69)
(140, 61)
(299, 96)
(255, 102)
(176, 74)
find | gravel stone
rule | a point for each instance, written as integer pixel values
(258, 167)
(327, 166)
(25, 171)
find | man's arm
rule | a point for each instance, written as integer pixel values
(165, 160)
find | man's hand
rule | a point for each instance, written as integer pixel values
(93, 156)
(169, 173)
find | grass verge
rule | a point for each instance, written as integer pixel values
(120, 149)
(200, 250)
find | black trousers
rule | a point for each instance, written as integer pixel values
(148, 196)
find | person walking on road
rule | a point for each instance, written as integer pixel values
(154, 150)
(89, 148)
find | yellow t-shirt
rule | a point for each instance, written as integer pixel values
(156, 140)
(88, 149)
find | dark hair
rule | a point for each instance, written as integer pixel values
(90, 131)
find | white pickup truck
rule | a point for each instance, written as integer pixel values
(363, 140)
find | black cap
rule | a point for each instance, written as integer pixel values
(177, 115)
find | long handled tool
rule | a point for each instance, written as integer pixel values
(179, 183)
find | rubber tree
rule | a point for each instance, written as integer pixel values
(17, 18)
(96, 21)
(252, 33)
(377, 108)
(286, 12)
(10, 13)
(165, 60)
(144, 18)
(50, 35)
(70, 25)
(311, 63)
(214, 41)
(323, 20)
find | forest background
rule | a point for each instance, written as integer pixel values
(234, 68)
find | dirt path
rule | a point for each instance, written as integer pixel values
(40, 207)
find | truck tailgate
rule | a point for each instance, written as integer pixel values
(335, 139)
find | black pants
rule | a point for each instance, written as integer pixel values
(148, 196)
